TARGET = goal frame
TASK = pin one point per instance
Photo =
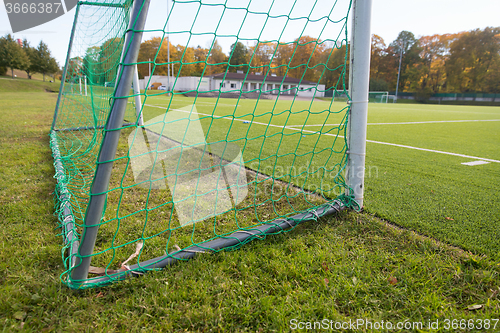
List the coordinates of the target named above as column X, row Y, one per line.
column 81, row 249
column 384, row 96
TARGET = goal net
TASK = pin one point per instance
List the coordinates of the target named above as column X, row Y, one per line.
column 194, row 126
column 373, row 96
column 378, row 96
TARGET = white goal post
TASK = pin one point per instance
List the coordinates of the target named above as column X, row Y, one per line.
column 359, row 79
column 373, row 96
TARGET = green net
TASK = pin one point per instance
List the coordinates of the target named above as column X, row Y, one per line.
column 378, row 96
column 235, row 139
column 373, row 96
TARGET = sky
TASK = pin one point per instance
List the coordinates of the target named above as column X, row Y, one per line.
column 389, row 17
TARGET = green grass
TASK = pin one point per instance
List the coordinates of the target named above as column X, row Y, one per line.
column 8, row 85
column 340, row 268
column 259, row 142
column 434, row 193
column 136, row 214
column 20, row 75
column 431, row 193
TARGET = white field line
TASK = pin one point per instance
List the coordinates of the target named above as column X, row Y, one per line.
column 408, row 122
column 213, row 104
column 435, row 122
column 441, row 110
column 337, row 135
column 433, row 151
column 220, row 117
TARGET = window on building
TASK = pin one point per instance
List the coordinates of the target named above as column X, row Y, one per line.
column 233, row 85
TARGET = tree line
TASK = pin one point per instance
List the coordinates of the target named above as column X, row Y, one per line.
column 26, row 58
column 449, row 63
column 304, row 58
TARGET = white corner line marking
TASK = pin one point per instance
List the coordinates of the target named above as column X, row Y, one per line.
column 472, row 163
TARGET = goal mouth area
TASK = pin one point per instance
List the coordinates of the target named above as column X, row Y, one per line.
column 231, row 242
column 71, row 231
column 179, row 181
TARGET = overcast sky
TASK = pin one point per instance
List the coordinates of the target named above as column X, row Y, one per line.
column 421, row 17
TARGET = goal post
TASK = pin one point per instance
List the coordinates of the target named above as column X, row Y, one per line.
column 105, row 159
column 378, row 96
column 358, row 115
column 239, row 146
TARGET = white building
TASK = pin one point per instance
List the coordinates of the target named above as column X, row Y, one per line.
column 234, row 82
column 272, row 84
column 182, row 83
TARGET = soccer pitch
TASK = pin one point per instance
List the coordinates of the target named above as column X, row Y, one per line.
column 415, row 176
column 431, row 191
column 342, row 267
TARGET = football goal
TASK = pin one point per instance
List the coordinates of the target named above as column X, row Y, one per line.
column 373, row 96
column 378, row 96
column 188, row 127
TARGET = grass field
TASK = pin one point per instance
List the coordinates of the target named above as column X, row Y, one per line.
column 353, row 266
column 22, row 75
column 432, row 192
column 415, row 178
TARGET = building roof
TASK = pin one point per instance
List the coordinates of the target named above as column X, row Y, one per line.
column 254, row 77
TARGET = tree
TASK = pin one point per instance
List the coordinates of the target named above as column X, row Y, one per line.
column 31, row 53
column 492, row 77
column 200, row 56
column 44, row 63
column 473, row 61
column 336, row 76
column 413, row 69
column 147, row 52
column 306, row 54
column 238, row 57
column 383, row 64
column 281, row 58
column 75, row 69
column 12, row 55
column 217, row 60
column 403, row 42
column 378, row 51
column 378, row 85
column 261, row 54
column 91, row 67
column 156, row 50
column 405, row 47
column 109, row 58
column 434, row 53
column 380, row 65
column 185, row 58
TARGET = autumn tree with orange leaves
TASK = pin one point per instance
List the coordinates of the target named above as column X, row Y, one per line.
column 449, row 63
column 463, row 62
